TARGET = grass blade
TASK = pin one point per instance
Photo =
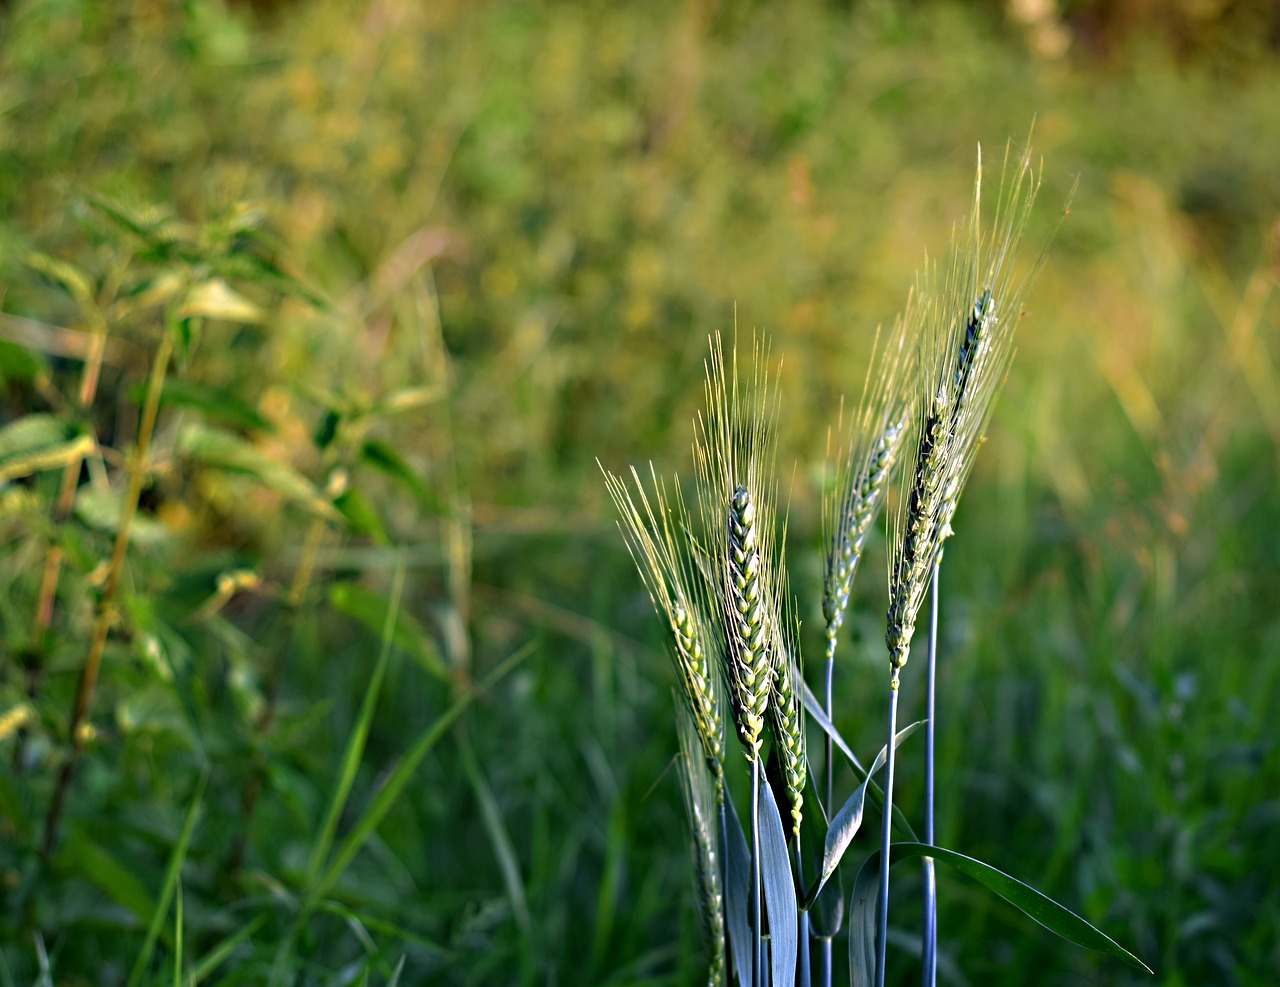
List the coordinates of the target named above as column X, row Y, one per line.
column 386, row 797
column 359, row 732
column 219, row 954
column 497, row 830
column 779, row 889
column 171, row 877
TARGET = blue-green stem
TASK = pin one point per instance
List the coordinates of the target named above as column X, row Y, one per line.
column 802, row 932
column 757, row 925
column 929, row 931
column 824, row 946
column 882, row 923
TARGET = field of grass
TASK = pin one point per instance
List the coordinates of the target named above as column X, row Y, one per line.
column 314, row 319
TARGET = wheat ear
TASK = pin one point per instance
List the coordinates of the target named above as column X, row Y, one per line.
column 871, row 447
column 966, row 344
column 702, row 792
column 734, row 452
column 787, row 714
column 657, row 534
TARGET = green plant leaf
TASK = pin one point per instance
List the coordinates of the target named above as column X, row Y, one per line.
column 848, row 820
column 368, row 607
column 815, row 710
column 508, row 862
column 17, row 363
column 215, row 402
column 737, row 890
column 40, row 442
column 779, row 889
column 84, row 857
column 359, row 731
column 382, row 457
column 223, row 450
column 220, row 953
column 1059, row 920
column 361, row 515
column 103, row 510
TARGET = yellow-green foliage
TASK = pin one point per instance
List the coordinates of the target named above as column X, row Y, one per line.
column 523, row 220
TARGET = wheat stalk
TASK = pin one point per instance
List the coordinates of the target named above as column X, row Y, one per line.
column 965, row 346
column 871, row 448
column 734, row 452
column 658, row 536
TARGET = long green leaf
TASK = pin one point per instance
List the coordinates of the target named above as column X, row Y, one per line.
column 386, row 797
column 779, row 889
column 846, row 823
column 359, row 732
column 737, row 891
column 85, row 858
column 508, row 863
column 815, row 710
column 223, row 450
column 219, row 954
column 39, row 442
column 1059, row 920
column 173, row 873
column 368, row 608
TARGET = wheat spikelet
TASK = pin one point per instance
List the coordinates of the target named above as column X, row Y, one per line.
column 734, row 451
column 658, row 537
column 787, row 716
column 700, row 797
column 966, row 342
column 870, row 453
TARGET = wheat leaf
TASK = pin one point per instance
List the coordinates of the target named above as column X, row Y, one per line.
column 846, row 822
column 737, row 892
column 779, row 889
column 1058, row 919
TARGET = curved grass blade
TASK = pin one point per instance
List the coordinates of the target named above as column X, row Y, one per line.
column 359, row 733
column 737, row 892
column 503, row 850
column 779, row 889
column 223, row 950
column 172, row 874
column 387, row 795
column 1058, row 919
column 846, row 823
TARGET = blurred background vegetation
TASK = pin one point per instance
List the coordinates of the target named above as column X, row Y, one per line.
column 422, row 264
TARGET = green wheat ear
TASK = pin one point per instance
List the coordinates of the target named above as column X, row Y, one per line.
column 871, row 442
column 657, row 533
column 787, row 718
column 735, row 453
column 967, row 320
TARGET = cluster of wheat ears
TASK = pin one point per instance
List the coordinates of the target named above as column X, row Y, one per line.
column 718, row 579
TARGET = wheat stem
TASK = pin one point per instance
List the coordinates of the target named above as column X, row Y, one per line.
column 929, row 933
column 882, row 904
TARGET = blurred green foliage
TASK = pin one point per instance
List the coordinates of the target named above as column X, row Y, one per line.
column 460, row 250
